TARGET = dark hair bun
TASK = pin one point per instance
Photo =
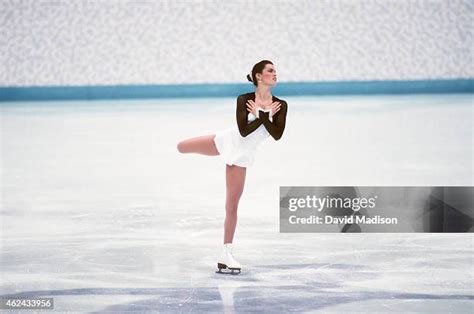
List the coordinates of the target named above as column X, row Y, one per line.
column 249, row 78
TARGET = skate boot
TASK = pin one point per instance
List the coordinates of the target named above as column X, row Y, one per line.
column 227, row 262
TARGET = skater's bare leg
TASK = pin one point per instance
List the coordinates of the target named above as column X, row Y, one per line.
column 201, row 145
column 235, row 179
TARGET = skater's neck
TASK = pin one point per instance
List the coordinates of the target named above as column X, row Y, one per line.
column 263, row 93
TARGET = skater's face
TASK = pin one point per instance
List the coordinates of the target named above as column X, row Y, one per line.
column 268, row 75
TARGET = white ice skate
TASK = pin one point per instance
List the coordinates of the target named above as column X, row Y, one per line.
column 227, row 261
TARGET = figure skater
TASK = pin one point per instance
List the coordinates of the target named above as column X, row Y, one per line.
column 259, row 114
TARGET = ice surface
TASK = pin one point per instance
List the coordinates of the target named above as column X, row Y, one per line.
column 101, row 212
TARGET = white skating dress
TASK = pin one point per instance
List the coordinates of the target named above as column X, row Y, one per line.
column 238, row 150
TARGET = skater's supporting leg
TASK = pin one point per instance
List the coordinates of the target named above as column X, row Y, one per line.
column 201, row 145
column 235, row 179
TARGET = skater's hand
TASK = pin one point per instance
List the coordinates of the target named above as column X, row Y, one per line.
column 252, row 107
column 275, row 108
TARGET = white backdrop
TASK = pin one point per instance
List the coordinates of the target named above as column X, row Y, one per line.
column 157, row 42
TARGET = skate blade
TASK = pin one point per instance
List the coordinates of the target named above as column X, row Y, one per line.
column 223, row 269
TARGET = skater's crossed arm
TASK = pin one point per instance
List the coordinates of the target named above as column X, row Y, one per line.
column 244, row 127
column 279, row 120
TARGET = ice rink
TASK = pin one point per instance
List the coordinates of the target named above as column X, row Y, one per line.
column 101, row 212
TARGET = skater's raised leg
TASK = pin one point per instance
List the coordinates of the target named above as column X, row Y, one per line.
column 200, row 145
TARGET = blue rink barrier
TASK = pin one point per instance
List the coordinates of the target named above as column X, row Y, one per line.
column 32, row 93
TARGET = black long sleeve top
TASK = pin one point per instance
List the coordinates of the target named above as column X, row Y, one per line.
column 275, row 128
